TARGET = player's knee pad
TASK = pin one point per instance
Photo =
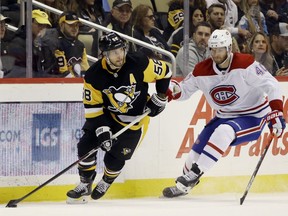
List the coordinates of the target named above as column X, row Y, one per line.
column 223, row 136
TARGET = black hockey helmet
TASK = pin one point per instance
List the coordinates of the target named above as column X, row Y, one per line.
column 111, row 41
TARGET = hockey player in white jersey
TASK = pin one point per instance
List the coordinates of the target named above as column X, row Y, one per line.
column 244, row 95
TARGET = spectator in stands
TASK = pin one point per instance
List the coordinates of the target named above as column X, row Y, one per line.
column 279, row 47
column 198, row 49
column 253, row 19
column 239, row 10
column 11, row 9
column 40, row 22
column 231, row 12
column 57, row 4
column 120, row 16
column 275, row 11
column 6, row 60
column 176, row 15
column 196, row 16
column 231, row 17
column 216, row 16
column 143, row 21
column 70, row 53
column 259, row 47
column 3, row 21
column 90, row 10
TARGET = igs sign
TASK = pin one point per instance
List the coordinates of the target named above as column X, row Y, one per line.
column 46, row 137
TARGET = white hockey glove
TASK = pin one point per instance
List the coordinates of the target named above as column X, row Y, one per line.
column 77, row 70
column 104, row 136
column 174, row 91
column 276, row 122
column 156, row 104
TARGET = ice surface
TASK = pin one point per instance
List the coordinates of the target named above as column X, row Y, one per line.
column 216, row 205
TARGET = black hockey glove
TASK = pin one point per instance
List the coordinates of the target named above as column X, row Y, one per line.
column 156, row 104
column 104, row 135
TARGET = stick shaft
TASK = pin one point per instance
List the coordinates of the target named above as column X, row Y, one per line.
column 270, row 138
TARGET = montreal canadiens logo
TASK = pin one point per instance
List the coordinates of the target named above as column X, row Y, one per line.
column 224, row 95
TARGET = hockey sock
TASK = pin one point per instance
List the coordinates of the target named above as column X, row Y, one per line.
column 192, row 158
column 113, row 167
column 109, row 175
column 87, row 167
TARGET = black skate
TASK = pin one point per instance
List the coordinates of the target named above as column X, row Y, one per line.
column 100, row 189
column 81, row 193
column 186, row 182
column 173, row 191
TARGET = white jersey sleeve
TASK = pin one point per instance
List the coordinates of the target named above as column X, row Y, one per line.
column 188, row 87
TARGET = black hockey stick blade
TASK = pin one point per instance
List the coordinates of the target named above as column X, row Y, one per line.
column 13, row 203
column 270, row 138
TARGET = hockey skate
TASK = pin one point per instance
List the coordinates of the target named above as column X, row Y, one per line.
column 81, row 193
column 100, row 189
column 186, row 182
column 173, row 191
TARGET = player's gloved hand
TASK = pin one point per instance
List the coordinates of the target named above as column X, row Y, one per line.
column 276, row 122
column 156, row 104
column 77, row 70
column 174, row 91
column 104, row 135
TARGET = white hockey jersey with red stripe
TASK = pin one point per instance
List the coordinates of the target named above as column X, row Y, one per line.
column 243, row 89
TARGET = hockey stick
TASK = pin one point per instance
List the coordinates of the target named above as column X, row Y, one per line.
column 13, row 203
column 270, row 138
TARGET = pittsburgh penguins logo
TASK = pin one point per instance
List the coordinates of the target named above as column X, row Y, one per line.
column 224, row 95
column 121, row 98
column 126, row 151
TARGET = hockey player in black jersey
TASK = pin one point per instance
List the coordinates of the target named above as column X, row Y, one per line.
column 116, row 93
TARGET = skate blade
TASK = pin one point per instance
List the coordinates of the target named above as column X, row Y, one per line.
column 182, row 187
column 81, row 200
column 171, row 192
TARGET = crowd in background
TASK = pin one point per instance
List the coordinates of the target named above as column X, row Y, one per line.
column 61, row 43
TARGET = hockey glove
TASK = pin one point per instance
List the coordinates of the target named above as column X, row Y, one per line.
column 276, row 122
column 77, row 70
column 104, row 135
column 156, row 104
column 174, row 91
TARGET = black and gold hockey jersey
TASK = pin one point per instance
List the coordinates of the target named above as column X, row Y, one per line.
column 71, row 53
column 122, row 94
